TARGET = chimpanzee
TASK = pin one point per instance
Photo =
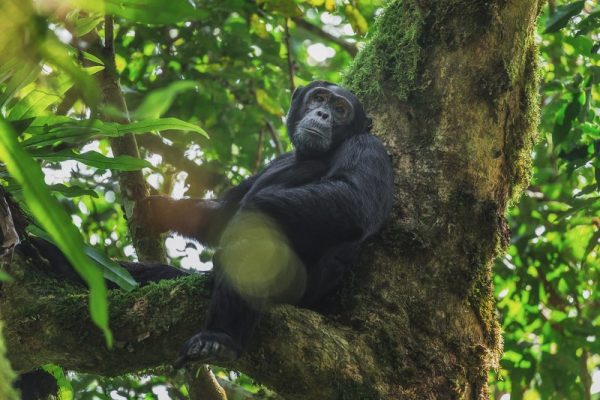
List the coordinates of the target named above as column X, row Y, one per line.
column 288, row 233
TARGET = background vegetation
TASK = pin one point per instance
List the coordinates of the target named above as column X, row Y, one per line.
column 227, row 68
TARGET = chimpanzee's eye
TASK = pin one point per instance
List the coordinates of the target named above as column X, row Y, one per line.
column 340, row 108
column 320, row 98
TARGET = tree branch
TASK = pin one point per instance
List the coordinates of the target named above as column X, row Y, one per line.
column 149, row 247
column 276, row 141
column 201, row 177
column 307, row 26
column 288, row 47
column 47, row 321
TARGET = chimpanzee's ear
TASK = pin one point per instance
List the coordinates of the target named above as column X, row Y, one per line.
column 368, row 124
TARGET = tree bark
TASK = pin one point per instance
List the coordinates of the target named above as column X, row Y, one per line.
column 452, row 86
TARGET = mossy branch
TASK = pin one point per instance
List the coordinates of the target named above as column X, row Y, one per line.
column 47, row 321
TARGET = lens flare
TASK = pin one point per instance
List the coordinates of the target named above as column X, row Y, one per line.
column 258, row 261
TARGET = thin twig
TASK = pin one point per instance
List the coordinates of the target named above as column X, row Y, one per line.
column 273, row 133
column 201, row 177
column 259, row 151
column 307, row 26
column 290, row 62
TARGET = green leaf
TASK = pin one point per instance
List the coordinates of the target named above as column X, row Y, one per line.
column 8, row 68
column 86, row 24
column 287, row 8
column 59, row 55
column 39, row 99
column 268, row 104
column 159, row 124
column 563, row 127
column 56, row 222
column 65, row 390
column 594, row 243
column 47, row 131
column 563, row 14
column 357, row 20
column 112, row 271
column 589, row 23
column 4, row 277
column 95, row 159
column 154, row 12
column 158, row 101
column 19, row 79
column 72, row 191
column 92, row 58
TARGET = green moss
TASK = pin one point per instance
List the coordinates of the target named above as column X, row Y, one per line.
column 389, row 62
column 525, row 131
column 7, row 375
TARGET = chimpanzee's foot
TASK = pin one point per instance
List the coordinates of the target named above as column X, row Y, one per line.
column 208, row 347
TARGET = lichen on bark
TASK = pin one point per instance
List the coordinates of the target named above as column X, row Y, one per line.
column 7, row 376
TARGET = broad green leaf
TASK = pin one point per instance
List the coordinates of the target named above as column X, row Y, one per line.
column 20, row 78
column 39, row 99
column 357, row 20
column 72, row 191
column 92, row 58
column 287, row 8
column 268, row 104
column 112, row 271
column 4, row 277
column 59, row 55
column 94, row 159
column 158, row 101
column 154, row 12
column 8, row 68
column 564, row 124
column 47, row 131
column 65, row 390
column 33, row 104
column 56, row 222
column 159, row 124
column 84, row 24
column 562, row 15
column 589, row 23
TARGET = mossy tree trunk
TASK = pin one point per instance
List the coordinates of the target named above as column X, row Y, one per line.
column 452, row 87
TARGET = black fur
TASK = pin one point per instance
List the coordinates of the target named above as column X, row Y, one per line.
column 289, row 233
column 318, row 207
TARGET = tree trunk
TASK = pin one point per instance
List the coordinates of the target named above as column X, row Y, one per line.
column 452, row 86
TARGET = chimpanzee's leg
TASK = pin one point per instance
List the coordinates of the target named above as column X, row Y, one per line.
column 230, row 322
column 142, row 273
column 254, row 266
column 326, row 275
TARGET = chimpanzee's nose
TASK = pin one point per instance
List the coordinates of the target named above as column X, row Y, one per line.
column 322, row 114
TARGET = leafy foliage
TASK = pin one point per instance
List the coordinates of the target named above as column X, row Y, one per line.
column 547, row 283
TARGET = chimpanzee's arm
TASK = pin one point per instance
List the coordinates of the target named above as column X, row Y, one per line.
column 200, row 219
column 351, row 202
